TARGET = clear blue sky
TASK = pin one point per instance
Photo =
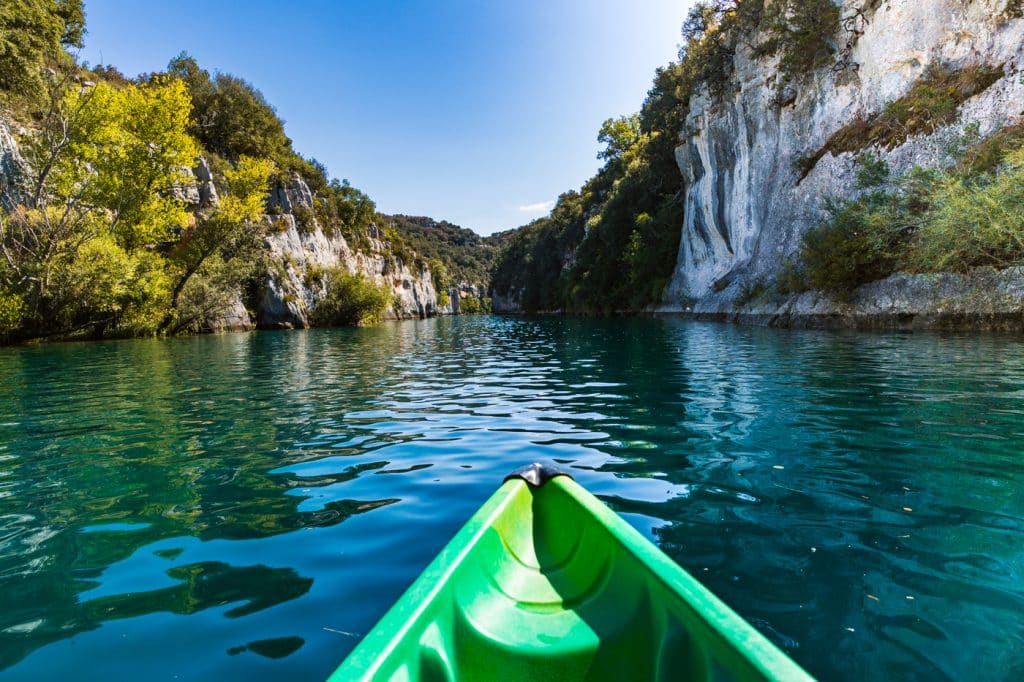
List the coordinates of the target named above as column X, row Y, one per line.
column 480, row 112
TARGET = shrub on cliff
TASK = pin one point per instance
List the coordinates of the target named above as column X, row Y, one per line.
column 801, row 33
column 967, row 216
column 974, row 221
column 858, row 243
column 351, row 300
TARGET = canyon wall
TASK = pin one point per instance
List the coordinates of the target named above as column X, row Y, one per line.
column 748, row 201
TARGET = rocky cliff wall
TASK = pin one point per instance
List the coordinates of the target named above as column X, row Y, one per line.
column 747, row 207
column 300, row 251
column 10, row 167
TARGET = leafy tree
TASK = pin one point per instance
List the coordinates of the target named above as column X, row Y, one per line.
column 105, row 166
column 618, row 135
column 231, row 117
column 230, row 228
column 72, row 14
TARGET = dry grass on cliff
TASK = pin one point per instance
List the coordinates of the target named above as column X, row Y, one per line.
column 932, row 102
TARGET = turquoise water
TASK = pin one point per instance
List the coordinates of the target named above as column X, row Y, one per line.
column 245, row 506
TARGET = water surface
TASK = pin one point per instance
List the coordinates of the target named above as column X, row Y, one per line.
column 247, row 506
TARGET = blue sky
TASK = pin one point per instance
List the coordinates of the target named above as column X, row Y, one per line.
column 480, row 113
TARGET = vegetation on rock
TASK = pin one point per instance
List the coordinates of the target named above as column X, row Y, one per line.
column 351, row 299
column 954, row 219
column 933, row 101
column 613, row 244
column 108, row 232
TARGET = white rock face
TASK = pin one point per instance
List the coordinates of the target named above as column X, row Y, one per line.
column 299, row 252
column 11, row 168
column 745, row 211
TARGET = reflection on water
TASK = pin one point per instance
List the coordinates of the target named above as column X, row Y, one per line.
column 248, row 505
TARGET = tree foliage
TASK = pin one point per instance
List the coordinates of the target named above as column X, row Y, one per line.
column 219, row 235
column 80, row 252
column 351, row 299
column 229, row 116
column 32, row 31
column 618, row 135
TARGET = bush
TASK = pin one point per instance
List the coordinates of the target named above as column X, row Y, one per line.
column 974, row 222
column 859, row 243
column 351, row 300
column 791, row 279
column 12, row 311
column 872, row 171
column 968, row 216
column 751, row 292
column 475, row 306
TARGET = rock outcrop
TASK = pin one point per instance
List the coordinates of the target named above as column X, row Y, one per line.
column 747, row 205
column 301, row 251
column 983, row 299
column 11, row 168
column 299, row 248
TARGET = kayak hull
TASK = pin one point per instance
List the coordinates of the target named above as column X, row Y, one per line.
column 546, row 582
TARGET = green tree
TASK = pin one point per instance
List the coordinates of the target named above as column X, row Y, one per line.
column 618, row 135
column 72, row 14
column 105, row 167
column 228, row 230
column 229, row 116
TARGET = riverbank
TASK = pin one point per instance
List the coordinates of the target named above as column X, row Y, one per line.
column 983, row 299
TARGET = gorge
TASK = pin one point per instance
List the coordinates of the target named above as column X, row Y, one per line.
column 762, row 149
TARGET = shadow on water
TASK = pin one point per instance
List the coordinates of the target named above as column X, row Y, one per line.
column 184, row 448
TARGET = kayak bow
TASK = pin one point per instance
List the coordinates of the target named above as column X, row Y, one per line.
column 547, row 583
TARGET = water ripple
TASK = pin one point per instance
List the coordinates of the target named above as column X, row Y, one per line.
column 249, row 497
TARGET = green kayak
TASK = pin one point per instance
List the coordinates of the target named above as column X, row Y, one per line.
column 547, row 583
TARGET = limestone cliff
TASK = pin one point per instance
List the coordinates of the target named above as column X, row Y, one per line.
column 747, row 205
column 300, row 249
column 298, row 246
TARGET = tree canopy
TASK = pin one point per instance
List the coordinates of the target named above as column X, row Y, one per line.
column 32, row 31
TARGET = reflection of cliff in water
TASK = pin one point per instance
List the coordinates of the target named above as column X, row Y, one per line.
column 185, row 450
column 199, row 587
